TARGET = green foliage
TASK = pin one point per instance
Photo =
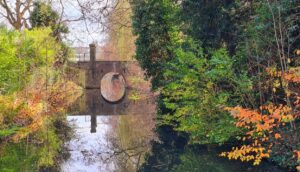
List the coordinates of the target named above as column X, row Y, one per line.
column 9, row 131
column 17, row 157
column 43, row 15
column 25, row 57
column 38, row 151
column 154, row 22
column 195, row 91
column 259, row 32
column 196, row 78
column 21, row 52
column 10, row 66
column 207, row 55
column 51, row 145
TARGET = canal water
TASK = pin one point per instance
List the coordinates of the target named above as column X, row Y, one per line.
column 109, row 137
column 121, row 138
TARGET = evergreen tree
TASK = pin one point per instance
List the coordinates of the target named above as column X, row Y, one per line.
column 44, row 16
column 210, row 22
column 154, row 23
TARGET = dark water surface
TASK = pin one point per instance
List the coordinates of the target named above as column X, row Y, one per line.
column 172, row 154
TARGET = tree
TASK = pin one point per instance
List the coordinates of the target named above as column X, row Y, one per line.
column 209, row 22
column 195, row 89
column 267, row 48
column 154, row 23
column 44, row 16
column 16, row 12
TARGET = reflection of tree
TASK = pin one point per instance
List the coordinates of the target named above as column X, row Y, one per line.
column 165, row 153
column 130, row 140
column 128, row 159
column 172, row 154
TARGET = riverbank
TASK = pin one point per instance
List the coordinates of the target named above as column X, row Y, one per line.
column 34, row 137
column 34, row 93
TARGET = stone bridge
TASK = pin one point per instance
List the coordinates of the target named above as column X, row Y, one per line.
column 95, row 70
column 92, row 101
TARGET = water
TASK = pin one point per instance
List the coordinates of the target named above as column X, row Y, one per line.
column 89, row 151
column 171, row 154
column 120, row 138
column 109, row 137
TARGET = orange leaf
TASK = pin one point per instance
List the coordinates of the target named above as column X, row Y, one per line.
column 277, row 136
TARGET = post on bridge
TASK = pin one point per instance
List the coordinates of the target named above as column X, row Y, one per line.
column 92, row 59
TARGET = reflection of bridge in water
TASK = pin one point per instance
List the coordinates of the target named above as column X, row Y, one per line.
column 92, row 103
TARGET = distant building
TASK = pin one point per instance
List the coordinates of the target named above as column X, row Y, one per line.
column 82, row 53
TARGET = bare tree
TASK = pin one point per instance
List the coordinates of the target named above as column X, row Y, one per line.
column 87, row 20
column 92, row 17
column 16, row 12
column 94, row 11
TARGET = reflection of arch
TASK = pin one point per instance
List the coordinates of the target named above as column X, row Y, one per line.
column 94, row 105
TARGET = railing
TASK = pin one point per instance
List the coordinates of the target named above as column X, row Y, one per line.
column 83, row 54
column 83, row 57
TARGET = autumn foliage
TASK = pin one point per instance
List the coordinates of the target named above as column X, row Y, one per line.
column 31, row 107
column 264, row 126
